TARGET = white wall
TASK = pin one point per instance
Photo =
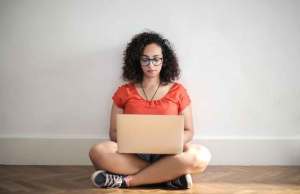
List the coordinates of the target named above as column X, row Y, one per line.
column 60, row 62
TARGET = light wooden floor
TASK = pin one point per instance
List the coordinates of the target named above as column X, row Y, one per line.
column 216, row 179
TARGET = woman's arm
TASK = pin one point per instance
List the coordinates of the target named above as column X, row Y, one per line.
column 188, row 124
column 113, row 115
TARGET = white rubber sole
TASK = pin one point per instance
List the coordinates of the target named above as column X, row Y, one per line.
column 93, row 176
column 189, row 180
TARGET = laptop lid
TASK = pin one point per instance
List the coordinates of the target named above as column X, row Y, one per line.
column 155, row 134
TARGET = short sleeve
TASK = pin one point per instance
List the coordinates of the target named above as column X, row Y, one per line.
column 184, row 99
column 120, row 96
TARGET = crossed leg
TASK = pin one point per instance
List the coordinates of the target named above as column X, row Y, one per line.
column 194, row 159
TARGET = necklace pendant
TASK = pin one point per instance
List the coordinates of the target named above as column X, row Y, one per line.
column 153, row 94
column 149, row 104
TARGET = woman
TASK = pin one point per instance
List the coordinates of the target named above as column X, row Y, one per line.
column 151, row 68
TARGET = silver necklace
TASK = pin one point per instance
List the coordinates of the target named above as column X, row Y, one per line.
column 146, row 94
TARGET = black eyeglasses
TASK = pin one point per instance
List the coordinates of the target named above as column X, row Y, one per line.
column 155, row 61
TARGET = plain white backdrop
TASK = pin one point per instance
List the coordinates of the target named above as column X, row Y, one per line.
column 60, row 62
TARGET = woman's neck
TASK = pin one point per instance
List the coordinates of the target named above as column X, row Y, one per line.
column 150, row 82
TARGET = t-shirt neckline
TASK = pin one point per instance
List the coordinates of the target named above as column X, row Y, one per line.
column 163, row 97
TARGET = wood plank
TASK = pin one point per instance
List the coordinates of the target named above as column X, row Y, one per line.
column 16, row 179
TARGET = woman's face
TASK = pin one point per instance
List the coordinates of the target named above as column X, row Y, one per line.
column 151, row 60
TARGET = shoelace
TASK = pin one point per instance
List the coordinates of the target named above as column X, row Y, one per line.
column 175, row 183
column 112, row 180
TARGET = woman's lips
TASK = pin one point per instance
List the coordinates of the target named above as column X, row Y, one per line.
column 151, row 71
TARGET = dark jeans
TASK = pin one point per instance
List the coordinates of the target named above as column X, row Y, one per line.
column 151, row 158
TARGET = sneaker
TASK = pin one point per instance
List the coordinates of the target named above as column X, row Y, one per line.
column 182, row 182
column 103, row 179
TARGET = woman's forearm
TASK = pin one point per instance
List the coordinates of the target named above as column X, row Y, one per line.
column 188, row 136
column 113, row 135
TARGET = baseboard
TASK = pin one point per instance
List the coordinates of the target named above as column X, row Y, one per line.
column 225, row 150
column 253, row 150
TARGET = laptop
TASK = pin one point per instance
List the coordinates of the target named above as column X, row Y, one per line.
column 150, row 134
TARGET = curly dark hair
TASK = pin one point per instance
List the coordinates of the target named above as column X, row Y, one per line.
column 132, row 70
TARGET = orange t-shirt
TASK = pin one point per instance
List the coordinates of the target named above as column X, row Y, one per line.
column 173, row 103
